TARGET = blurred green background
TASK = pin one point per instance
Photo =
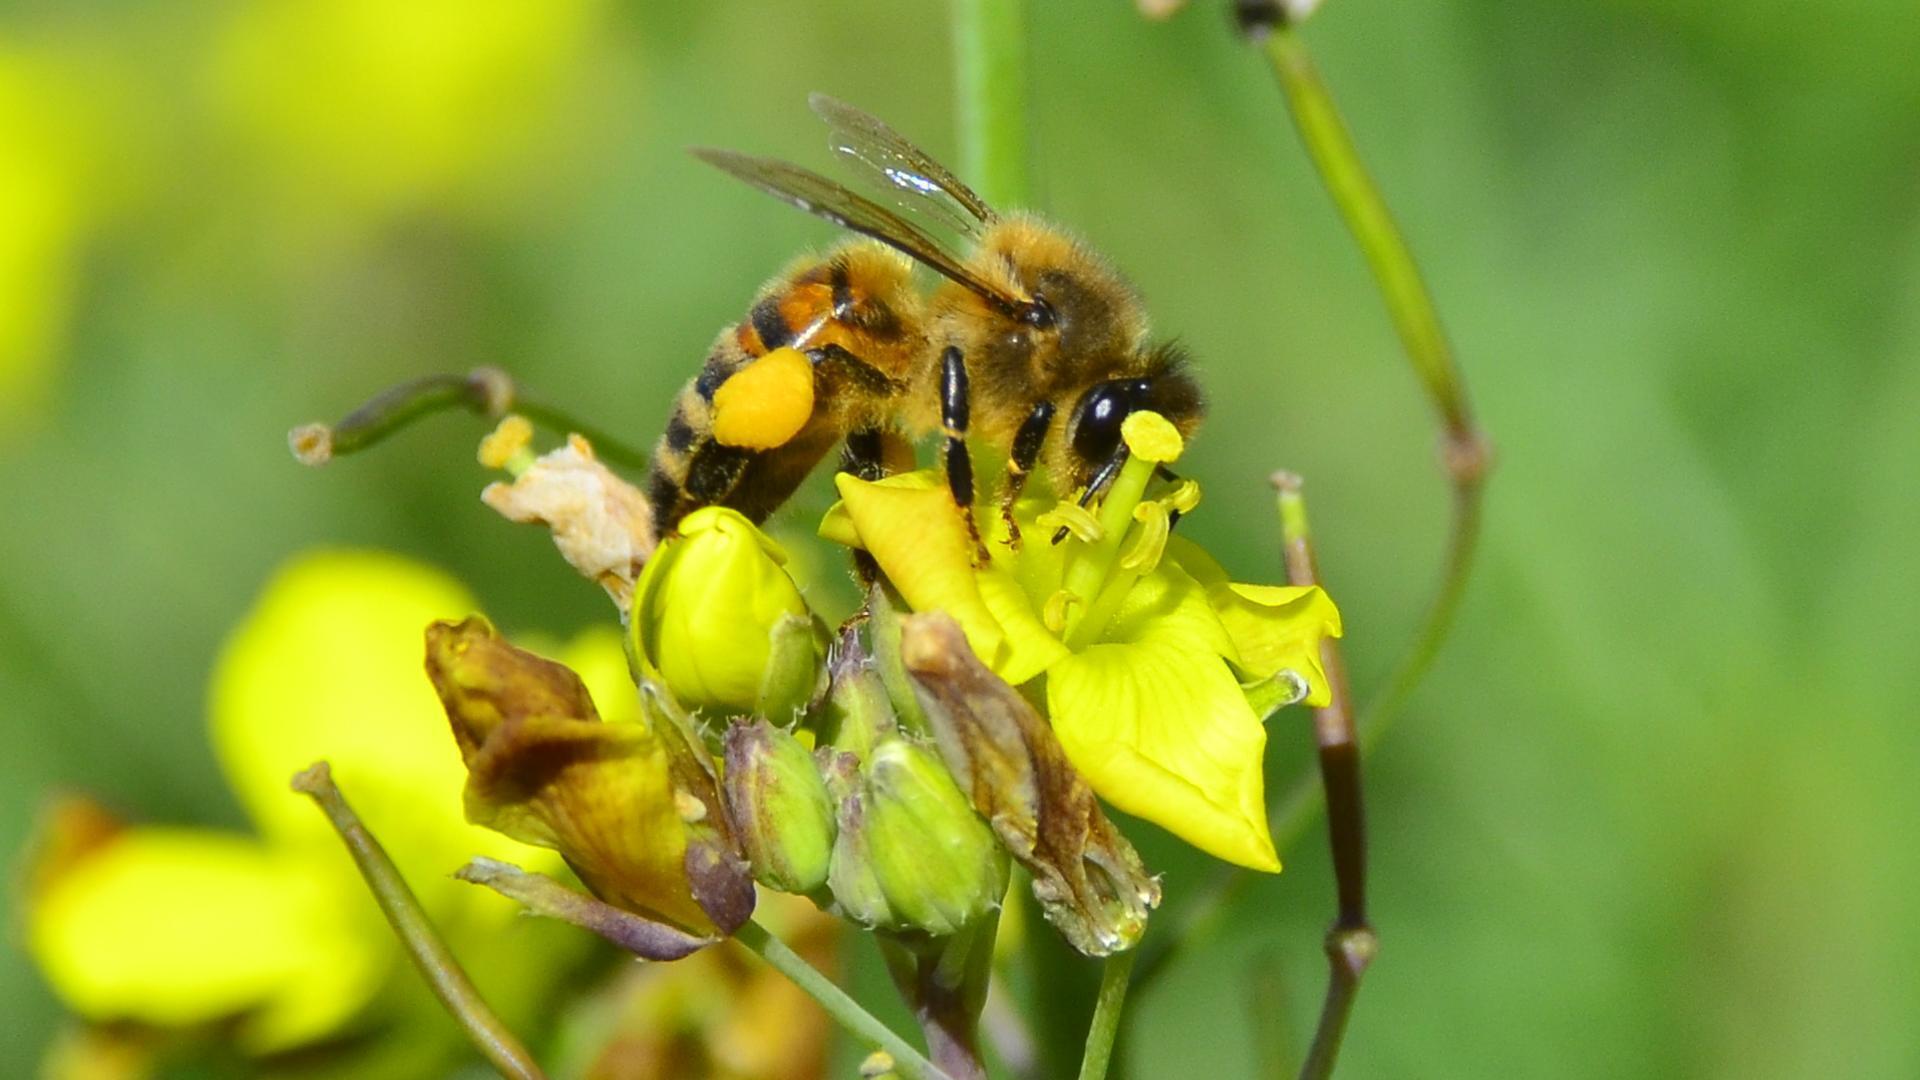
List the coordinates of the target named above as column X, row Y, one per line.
column 1652, row 813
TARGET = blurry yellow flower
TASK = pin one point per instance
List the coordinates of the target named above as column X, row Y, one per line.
column 1143, row 642
column 381, row 105
column 176, row 927
column 172, row 926
column 716, row 615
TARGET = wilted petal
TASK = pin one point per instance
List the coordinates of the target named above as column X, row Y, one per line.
column 1088, row 879
column 543, row 769
column 602, row 525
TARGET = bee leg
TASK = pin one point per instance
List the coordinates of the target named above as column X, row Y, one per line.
column 713, row 472
column 1026, row 450
column 954, row 414
column 838, row 363
column 864, row 456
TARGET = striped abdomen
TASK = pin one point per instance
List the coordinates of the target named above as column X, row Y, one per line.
column 854, row 314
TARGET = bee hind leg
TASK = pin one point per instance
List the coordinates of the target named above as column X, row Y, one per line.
column 954, row 415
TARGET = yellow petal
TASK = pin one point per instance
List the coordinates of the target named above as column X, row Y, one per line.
column 1276, row 627
column 1271, row 626
column 175, row 927
column 1164, row 733
column 328, row 665
column 913, row 531
column 1027, row 647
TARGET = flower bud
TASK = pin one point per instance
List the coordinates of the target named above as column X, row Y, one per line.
column 936, row 862
column 707, row 609
column 781, row 811
column 857, row 894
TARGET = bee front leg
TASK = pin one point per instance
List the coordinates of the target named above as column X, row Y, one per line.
column 1026, row 450
column 954, row 415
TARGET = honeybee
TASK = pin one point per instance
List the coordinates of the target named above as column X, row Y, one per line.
column 1028, row 331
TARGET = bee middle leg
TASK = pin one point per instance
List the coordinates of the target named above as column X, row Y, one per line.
column 1026, row 450
column 954, row 416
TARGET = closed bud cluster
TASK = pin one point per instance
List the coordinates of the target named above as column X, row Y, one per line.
column 911, row 854
column 937, row 863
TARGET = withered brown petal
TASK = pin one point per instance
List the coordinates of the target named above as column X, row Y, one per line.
column 1087, row 877
column 716, row 865
column 483, row 681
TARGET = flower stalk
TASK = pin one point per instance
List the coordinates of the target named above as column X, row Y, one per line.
column 907, row 1061
column 1466, row 453
column 430, row 954
column 484, row 391
column 1105, row 1027
column 990, row 64
column 1351, row 942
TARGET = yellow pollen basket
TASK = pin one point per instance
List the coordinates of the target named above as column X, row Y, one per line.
column 765, row 403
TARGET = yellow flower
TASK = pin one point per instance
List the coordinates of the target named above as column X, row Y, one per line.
column 185, row 926
column 1149, row 653
column 717, row 616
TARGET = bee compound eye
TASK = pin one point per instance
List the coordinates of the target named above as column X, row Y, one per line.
column 1097, row 420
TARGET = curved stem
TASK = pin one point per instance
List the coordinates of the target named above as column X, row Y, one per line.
column 1106, row 1015
column 1466, row 453
column 430, row 954
column 839, row 1005
column 990, row 64
column 484, row 391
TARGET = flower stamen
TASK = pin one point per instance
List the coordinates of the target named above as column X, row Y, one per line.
column 509, row 445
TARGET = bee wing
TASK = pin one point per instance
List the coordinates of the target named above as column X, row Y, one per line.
column 901, row 168
column 825, row 198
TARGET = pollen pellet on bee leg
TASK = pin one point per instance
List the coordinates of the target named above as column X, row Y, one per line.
column 766, row 403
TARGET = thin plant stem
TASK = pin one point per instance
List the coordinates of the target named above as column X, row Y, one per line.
column 1351, row 943
column 1466, row 453
column 990, row 65
column 857, row 1020
column 485, row 391
column 1106, row 1015
column 430, row 954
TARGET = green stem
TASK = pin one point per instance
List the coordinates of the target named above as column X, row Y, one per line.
column 1106, row 1015
column 485, row 391
column 990, row 61
column 1466, row 453
column 839, row 1005
column 430, row 954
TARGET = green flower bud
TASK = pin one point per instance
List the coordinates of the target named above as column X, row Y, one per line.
column 706, row 611
column 857, row 711
column 856, row 890
column 781, row 811
column 937, row 863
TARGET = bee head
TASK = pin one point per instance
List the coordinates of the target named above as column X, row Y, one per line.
column 1167, row 388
